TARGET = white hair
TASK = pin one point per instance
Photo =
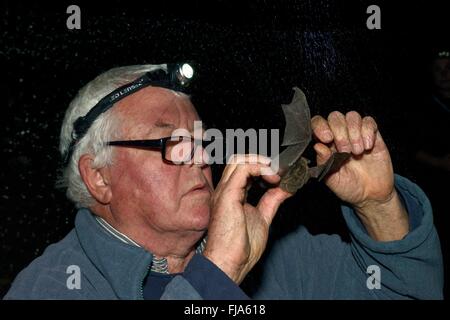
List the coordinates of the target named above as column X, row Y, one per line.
column 104, row 128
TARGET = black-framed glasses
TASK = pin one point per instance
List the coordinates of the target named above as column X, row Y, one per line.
column 174, row 149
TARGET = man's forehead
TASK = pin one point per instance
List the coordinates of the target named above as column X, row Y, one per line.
column 150, row 98
column 156, row 109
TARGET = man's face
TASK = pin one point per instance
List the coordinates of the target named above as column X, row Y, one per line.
column 167, row 197
column 441, row 73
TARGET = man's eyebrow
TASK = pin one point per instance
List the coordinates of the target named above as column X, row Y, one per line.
column 164, row 125
column 159, row 125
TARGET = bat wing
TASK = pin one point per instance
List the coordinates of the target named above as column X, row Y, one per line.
column 297, row 133
column 332, row 164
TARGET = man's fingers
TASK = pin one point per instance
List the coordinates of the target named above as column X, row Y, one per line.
column 270, row 201
column 349, row 133
column 240, row 176
column 321, row 129
column 323, row 153
column 354, row 124
column 238, row 159
column 236, row 186
column 368, row 132
column 338, row 125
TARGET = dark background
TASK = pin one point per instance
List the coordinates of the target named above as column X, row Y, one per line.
column 248, row 57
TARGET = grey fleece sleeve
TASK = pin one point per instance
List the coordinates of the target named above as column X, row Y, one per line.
column 303, row 266
column 203, row 279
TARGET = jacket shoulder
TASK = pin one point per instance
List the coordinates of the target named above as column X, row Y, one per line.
column 57, row 274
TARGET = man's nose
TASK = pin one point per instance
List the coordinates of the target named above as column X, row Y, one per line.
column 200, row 157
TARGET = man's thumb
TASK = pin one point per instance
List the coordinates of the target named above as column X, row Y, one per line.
column 270, row 201
column 323, row 153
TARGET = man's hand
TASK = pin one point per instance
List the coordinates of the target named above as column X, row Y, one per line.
column 238, row 231
column 366, row 181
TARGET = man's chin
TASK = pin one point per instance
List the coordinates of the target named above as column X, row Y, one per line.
column 199, row 218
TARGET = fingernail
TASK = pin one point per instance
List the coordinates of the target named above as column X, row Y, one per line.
column 358, row 148
column 267, row 171
column 367, row 142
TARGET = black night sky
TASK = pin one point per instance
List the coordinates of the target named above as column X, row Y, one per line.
column 248, row 57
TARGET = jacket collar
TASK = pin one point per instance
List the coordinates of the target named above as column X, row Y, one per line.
column 123, row 265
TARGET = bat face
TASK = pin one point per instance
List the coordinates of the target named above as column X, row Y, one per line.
column 296, row 177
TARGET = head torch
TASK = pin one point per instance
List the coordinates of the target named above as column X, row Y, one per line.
column 177, row 77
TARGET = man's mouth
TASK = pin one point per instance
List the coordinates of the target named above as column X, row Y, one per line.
column 199, row 188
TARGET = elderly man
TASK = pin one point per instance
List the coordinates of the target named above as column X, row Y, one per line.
column 140, row 230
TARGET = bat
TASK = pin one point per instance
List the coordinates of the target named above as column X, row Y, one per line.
column 293, row 168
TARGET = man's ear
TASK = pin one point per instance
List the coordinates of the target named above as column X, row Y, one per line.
column 96, row 180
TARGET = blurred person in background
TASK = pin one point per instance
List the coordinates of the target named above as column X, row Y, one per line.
column 431, row 150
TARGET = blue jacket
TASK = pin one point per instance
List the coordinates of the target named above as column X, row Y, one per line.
column 297, row 266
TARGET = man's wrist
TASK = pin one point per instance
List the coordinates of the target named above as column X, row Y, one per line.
column 385, row 220
column 232, row 272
